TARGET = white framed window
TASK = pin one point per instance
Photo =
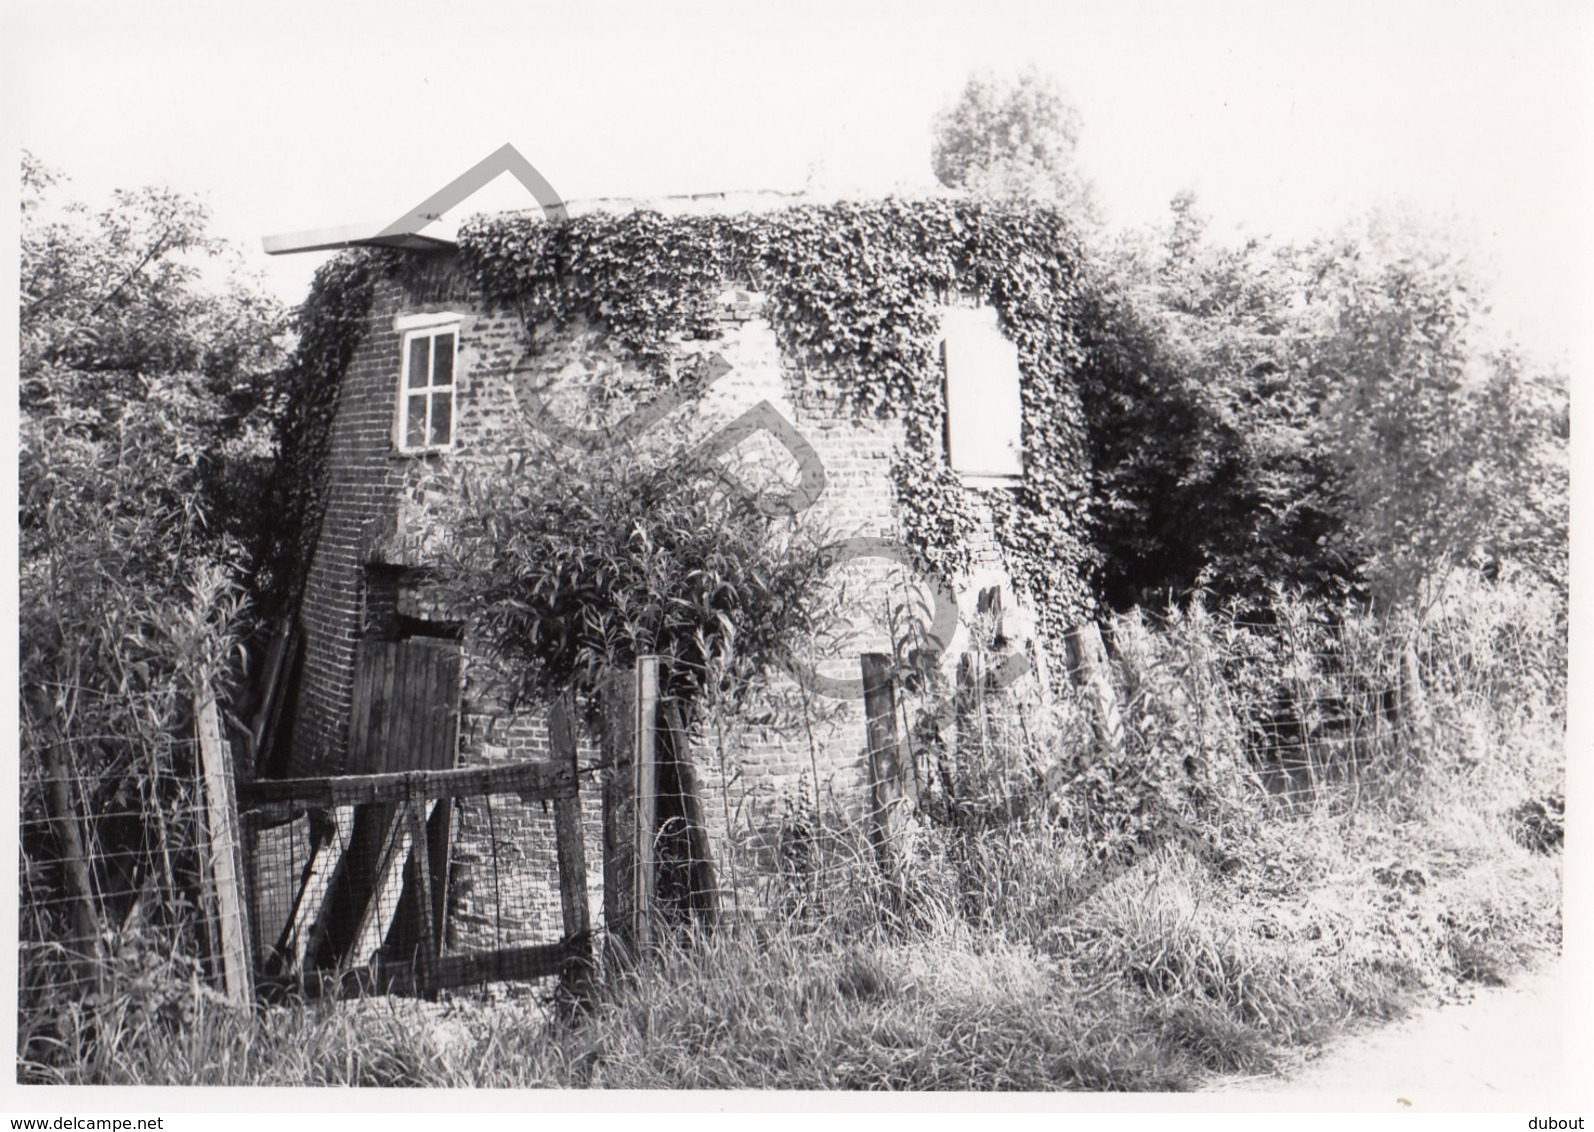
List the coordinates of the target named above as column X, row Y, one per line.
column 984, row 405
column 425, row 419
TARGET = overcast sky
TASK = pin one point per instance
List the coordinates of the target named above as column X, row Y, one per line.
column 1285, row 117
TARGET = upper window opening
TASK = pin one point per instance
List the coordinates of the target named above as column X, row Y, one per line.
column 984, row 406
column 426, row 389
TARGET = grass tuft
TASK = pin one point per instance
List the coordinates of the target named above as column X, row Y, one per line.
column 1180, row 929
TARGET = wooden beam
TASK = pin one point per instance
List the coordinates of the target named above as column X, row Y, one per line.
column 570, row 847
column 568, row 841
column 226, row 874
column 536, row 781
column 885, row 771
column 272, row 674
column 1092, row 675
column 704, row 895
column 440, row 838
column 421, row 871
column 619, row 819
column 645, row 732
column 374, row 920
column 534, row 962
column 310, row 912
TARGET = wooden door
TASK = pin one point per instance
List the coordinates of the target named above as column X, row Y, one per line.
column 406, row 705
column 405, row 717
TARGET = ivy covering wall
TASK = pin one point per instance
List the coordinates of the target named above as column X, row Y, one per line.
column 330, row 324
column 854, row 293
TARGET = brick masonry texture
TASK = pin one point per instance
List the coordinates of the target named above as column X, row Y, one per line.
column 504, row 873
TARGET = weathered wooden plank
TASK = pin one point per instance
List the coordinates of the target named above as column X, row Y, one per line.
column 421, row 871
column 390, row 753
column 885, row 786
column 441, row 692
column 646, row 733
column 452, row 665
column 374, row 922
column 383, row 672
column 270, row 750
column 272, row 672
column 704, row 893
column 359, row 708
column 441, row 842
column 416, row 743
column 619, row 815
column 399, row 845
column 378, row 705
column 533, row 962
column 408, row 750
column 539, row 780
column 311, row 914
column 1092, row 674
column 226, row 874
column 360, row 705
column 568, row 846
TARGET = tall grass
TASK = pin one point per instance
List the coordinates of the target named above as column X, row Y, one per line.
column 1275, row 855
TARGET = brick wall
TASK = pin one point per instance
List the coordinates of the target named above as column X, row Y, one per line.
column 362, row 484
column 373, row 516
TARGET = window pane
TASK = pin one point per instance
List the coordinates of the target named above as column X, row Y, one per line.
column 415, row 424
column 443, row 360
column 442, row 418
column 418, row 370
column 984, row 402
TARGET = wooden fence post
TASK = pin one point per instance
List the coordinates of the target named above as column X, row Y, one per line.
column 571, row 851
column 646, row 732
column 630, row 726
column 223, row 864
column 885, row 772
column 1413, row 697
column 703, row 879
column 421, row 871
column 619, row 814
column 1089, row 668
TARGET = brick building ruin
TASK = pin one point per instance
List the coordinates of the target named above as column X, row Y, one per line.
column 438, row 372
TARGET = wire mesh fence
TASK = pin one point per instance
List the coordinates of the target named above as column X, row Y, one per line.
column 690, row 811
column 1214, row 717
column 418, row 882
column 116, row 904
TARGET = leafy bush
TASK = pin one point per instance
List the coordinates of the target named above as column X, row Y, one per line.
column 1336, row 417
column 571, row 564
column 143, row 435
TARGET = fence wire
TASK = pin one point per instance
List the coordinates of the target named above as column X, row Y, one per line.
column 440, row 893
column 114, row 895
column 758, row 806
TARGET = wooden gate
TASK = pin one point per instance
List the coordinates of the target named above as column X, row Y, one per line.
column 336, row 936
column 369, row 902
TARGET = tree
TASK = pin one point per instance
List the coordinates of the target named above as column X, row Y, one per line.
column 1200, row 421
column 1449, row 448
column 144, row 414
column 1013, row 140
column 1332, row 417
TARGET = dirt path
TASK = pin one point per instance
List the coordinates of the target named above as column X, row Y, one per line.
column 1503, row 1049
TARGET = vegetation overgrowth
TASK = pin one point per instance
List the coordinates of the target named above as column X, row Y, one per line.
column 1185, row 911
column 1300, row 475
